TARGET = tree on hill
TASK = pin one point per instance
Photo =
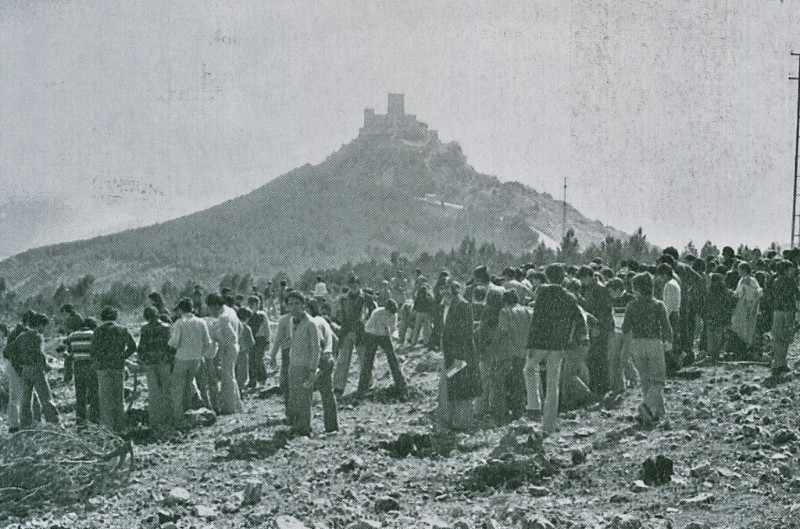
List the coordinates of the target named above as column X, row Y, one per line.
column 569, row 249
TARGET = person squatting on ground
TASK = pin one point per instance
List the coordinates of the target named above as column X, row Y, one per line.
column 156, row 359
column 112, row 344
column 378, row 333
column 28, row 361
column 78, row 366
column 649, row 334
column 191, row 340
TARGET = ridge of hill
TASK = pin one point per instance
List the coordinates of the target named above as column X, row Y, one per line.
column 394, row 187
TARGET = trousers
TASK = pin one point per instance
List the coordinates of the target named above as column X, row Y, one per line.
column 782, row 334
column 182, row 387
column 300, row 397
column 159, row 397
column 111, row 395
column 371, row 344
column 650, row 362
column 342, row 369
column 33, row 379
column 553, row 360
column 87, row 400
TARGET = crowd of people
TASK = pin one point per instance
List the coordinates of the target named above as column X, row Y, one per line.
column 525, row 343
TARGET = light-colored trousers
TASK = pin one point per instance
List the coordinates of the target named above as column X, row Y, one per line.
column 648, row 355
column 229, row 401
column 183, row 389
column 553, row 360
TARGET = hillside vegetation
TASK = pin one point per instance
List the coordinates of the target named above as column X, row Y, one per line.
column 371, row 197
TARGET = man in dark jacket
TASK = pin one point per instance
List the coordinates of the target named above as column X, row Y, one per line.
column 597, row 302
column 112, row 344
column 26, row 356
column 353, row 311
column 460, row 380
column 783, row 296
column 557, row 326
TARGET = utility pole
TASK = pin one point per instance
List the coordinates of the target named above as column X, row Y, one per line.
column 564, row 208
column 793, row 241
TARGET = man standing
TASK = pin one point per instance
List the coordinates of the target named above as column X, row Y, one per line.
column 557, row 325
column 192, row 343
column 507, row 385
column 597, row 302
column 73, row 321
column 155, row 357
column 304, row 355
column 351, row 318
column 460, row 380
column 112, row 344
column 259, row 324
column 282, row 343
column 78, row 366
column 324, row 381
column 783, row 299
column 225, row 332
column 672, row 301
column 28, row 360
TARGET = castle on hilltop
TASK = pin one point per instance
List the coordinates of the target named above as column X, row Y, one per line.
column 395, row 123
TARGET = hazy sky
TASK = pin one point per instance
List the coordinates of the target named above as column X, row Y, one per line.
column 675, row 116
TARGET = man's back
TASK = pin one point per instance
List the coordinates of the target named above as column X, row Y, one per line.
column 555, row 314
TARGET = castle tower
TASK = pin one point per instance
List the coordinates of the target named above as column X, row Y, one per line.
column 396, row 106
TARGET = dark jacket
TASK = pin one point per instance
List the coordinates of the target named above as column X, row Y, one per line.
column 111, row 345
column 556, row 319
column 597, row 302
column 25, row 350
column 458, row 344
column 154, row 344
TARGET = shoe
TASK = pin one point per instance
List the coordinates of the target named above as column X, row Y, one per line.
column 13, row 430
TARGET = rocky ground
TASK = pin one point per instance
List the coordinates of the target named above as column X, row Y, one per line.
column 732, row 444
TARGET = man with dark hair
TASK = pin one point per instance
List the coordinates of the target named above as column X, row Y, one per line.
column 78, row 365
column 192, row 343
column 156, row 358
column 507, row 384
column 73, row 321
column 197, row 300
column 460, row 380
column 26, row 356
column 597, row 302
column 424, row 308
column 304, row 354
column 282, row 343
column 353, row 308
column 111, row 345
column 557, row 326
column 671, row 297
column 259, row 325
column 378, row 333
column 225, row 332
column 783, row 296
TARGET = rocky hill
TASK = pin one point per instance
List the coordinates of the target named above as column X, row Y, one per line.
column 394, row 187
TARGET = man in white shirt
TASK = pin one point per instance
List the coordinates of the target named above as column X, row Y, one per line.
column 671, row 297
column 191, row 339
column 225, row 332
column 378, row 333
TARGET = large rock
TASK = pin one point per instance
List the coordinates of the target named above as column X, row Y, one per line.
column 178, row 496
column 199, row 417
column 252, row 492
column 386, row 504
